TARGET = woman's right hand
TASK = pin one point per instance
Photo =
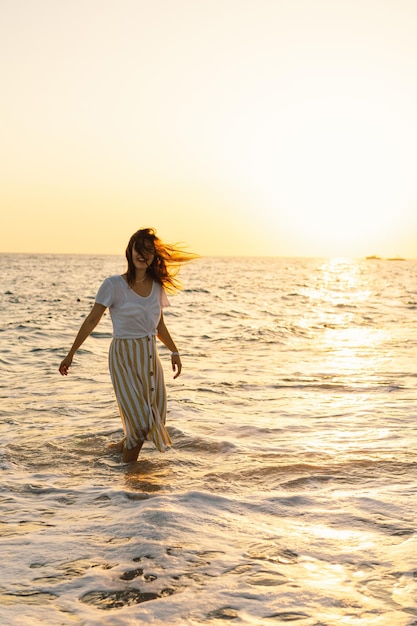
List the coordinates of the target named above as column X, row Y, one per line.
column 65, row 365
column 86, row 329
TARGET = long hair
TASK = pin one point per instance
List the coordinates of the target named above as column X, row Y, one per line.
column 166, row 263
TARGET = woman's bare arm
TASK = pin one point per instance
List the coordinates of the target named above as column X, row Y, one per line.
column 86, row 329
column 165, row 337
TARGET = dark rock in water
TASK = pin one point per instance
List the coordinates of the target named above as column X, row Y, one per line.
column 288, row 616
column 167, row 592
column 134, row 573
column 117, row 599
column 224, row 613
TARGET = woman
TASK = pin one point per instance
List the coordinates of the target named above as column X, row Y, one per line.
column 135, row 300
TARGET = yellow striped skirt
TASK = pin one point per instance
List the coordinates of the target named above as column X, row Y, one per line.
column 138, row 382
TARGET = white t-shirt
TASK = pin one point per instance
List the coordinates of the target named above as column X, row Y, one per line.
column 132, row 316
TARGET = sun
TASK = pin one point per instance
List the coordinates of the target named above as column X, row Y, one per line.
column 337, row 174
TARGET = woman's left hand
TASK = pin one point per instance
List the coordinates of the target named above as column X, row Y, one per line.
column 176, row 364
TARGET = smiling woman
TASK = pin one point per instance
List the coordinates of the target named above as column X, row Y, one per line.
column 136, row 300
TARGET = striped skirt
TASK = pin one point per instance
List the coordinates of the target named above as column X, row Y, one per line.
column 138, row 382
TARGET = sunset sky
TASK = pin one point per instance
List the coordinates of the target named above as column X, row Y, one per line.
column 239, row 127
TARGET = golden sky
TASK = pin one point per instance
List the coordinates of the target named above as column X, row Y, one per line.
column 249, row 127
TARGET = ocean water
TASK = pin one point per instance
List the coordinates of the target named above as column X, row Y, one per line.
column 289, row 495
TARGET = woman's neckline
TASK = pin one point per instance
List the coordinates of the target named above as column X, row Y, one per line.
column 135, row 292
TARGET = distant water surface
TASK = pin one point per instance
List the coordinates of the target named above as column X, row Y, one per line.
column 289, row 495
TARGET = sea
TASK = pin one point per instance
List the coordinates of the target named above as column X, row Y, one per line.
column 289, row 495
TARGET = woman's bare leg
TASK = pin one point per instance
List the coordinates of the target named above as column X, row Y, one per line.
column 130, row 456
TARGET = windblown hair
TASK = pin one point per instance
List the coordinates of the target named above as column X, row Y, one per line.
column 166, row 263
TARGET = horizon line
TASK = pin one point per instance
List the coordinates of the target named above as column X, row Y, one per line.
column 372, row 257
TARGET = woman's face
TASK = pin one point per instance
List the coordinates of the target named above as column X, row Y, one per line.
column 144, row 256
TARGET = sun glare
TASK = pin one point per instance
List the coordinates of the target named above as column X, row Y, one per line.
column 337, row 174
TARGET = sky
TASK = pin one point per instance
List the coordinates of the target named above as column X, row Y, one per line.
column 233, row 127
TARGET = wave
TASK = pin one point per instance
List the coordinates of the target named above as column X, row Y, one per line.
column 350, row 387
column 209, row 445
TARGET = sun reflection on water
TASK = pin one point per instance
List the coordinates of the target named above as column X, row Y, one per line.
column 341, row 281
column 350, row 340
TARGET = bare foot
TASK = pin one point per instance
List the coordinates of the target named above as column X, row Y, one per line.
column 118, row 446
column 130, row 456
